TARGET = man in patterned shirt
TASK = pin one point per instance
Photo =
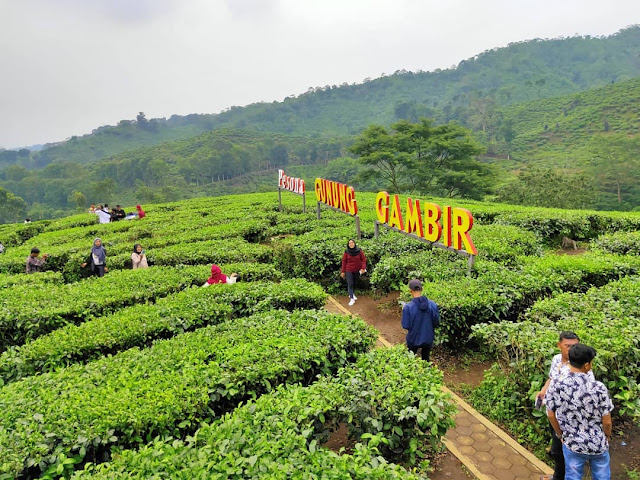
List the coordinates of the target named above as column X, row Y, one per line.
column 559, row 368
column 579, row 409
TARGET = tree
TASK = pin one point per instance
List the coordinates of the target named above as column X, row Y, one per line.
column 77, row 199
column 422, row 157
column 12, row 207
column 380, row 150
column 616, row 162
column 549, row 187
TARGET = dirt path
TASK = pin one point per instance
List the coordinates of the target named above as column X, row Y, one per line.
column 385, row 315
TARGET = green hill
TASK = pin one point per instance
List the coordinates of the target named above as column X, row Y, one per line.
column 562, row 127
column 466, row 93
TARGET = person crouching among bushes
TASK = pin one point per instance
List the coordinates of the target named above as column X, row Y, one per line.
column 218, row 277
column 97, row 259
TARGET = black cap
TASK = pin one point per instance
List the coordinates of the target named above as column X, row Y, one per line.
column 415, row 284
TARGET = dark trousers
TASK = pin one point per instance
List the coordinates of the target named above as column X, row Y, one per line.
column 426, row 350
column 98, row 270
column 557, row 455
column 351, row 282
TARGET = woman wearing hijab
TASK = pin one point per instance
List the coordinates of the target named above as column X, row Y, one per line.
column 97, row 258
column 141, row 213
column 354, row 263
column 138, row 258
column 218, row 277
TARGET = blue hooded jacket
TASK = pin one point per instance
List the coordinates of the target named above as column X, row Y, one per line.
column 420, row 317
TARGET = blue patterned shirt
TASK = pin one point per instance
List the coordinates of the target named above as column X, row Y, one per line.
column 579, row 403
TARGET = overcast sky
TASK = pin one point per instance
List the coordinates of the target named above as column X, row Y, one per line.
column 69, row 66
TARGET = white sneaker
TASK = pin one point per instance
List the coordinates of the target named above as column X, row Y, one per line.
column 352, row 301
column 355, row 298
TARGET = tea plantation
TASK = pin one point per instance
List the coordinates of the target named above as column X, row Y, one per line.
column 142, row 374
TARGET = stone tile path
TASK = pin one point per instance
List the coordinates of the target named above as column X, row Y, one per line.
column 484, row 449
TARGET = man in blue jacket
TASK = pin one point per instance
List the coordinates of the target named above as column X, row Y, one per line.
column 420, row 317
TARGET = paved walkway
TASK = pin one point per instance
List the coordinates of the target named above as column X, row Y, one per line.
column 483, row 448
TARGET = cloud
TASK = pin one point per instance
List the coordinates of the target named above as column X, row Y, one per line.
column 252, row 9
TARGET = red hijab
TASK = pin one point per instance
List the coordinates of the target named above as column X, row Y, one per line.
column 141, row 213
column 216, row 275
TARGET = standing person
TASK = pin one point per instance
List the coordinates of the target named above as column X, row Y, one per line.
column 92, row 208
column 559, row 369
column 218, row 277
column 579, row 409
column 141, row 213
column 1, row 248
column 420, row 317
column 138, row 258
column 103, row 215
column 35, row 264
column 354, row 263
column 97, row 258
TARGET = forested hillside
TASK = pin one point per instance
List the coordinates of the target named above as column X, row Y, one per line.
column 468, row 93
column 171, row 171
column 569, row 106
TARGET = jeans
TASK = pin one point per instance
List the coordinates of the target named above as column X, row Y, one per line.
column 351, row 282
column 574, row 465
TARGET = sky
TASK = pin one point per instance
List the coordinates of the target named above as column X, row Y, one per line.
column 70, row 66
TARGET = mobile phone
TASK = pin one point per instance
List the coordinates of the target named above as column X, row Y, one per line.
column 538, row 403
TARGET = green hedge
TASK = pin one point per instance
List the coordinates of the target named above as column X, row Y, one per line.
column 500, row 294
column 84, row 411
column 391, row 401
column 30, row 312
column 619, row 242
column 138, row 325
column 39, row 278
column 606, row 318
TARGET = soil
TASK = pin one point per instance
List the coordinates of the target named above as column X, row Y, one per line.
column 384, row 314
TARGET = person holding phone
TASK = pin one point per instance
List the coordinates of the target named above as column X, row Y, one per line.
column 138, row 258
column 35, row 264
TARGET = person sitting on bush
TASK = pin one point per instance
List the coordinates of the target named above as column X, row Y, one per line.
column 218, row 277
column 35, row 264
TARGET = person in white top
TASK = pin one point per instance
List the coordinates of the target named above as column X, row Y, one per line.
column 105, row 217
column 560, row 368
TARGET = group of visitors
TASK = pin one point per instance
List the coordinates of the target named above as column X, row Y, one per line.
column 578, row 406
column 579, row 411
column 115, row 214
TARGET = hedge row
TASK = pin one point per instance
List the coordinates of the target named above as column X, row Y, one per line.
column 391, row 401
column 82, row 412
column 606, row 318
column 30, row 312
column 138, row 325
column 499, row 294
column 619, row 242
column 496, row 243
column 40, row 278
column 67, row 258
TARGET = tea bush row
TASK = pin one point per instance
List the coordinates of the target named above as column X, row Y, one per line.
column 391, row 401
column 606, row 318
column 127, row 399
column 499, row 294
column 29, row 312
column 139, row 325
column 619, row 242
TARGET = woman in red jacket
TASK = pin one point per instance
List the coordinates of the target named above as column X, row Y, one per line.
column 353, row 263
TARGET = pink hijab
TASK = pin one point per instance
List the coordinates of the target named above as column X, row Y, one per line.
column 216, row 275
